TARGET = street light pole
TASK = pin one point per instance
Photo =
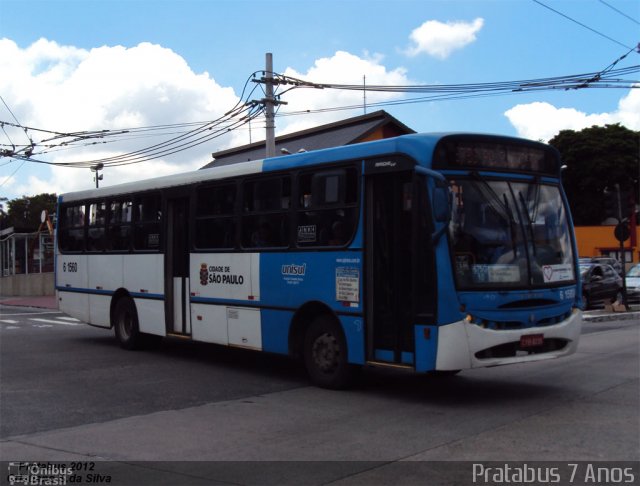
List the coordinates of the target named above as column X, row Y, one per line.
column 96, row 168
column 622, row 253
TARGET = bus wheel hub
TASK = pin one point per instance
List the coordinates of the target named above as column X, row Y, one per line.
column 325, row 352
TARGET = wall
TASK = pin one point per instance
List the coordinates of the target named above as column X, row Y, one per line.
column 599, row 240
column 36, row 284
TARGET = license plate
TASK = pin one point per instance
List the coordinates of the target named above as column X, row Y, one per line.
column 531, row 340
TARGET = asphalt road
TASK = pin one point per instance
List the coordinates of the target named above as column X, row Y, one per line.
column 70, row 393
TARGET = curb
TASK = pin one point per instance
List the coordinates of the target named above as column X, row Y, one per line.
column 48, row 302
column 621, row 316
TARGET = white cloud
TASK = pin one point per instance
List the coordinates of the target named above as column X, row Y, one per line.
column 66, row 89
column 341, row 68
column 543, row 121
column 440, row 39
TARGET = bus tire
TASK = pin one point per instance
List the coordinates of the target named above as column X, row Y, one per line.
column 126, row 324
column 325, row 355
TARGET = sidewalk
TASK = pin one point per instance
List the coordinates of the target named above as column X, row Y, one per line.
column 603, row 315
column 44, row 302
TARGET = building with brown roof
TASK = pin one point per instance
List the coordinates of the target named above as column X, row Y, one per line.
column 364, row 128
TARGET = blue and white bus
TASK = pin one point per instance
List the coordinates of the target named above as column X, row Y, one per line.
column 433, row 252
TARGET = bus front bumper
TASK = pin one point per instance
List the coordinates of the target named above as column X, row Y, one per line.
column 464, row 345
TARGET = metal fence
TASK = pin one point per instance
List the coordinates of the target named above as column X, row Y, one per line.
column 26, row 253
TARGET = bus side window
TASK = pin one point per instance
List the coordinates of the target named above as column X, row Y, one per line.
column 96, row 230
column 147, row 221
column 119, row 225
column 327, row 208
column 71, row 234
column 215, row 222
column 265, row 220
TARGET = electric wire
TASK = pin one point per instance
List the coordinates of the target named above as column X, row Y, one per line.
column 620, row 12
column 240, row 114
column 13, row 173
column 581, row 24
column 183, row 136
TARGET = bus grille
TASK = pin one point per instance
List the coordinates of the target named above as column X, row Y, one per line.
column 513, row 349
column 515, row 325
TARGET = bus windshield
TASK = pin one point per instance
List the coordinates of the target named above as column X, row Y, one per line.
column 509, row 234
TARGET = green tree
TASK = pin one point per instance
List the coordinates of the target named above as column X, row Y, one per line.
column 597, row 158
column 24, row 212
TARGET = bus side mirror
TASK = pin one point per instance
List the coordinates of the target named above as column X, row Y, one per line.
column 441, row 204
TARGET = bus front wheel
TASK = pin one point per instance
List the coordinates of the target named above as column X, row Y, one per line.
column 325, row 355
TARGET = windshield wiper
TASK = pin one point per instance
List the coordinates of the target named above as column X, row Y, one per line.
column 504, row 208
column 512, row 226
column 529, row 224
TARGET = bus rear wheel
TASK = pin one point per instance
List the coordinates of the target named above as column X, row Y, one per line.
column 126, row 324
column 127, row 329
column 325, row 355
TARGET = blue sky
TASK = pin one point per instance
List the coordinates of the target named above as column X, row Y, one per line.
column 90, row 65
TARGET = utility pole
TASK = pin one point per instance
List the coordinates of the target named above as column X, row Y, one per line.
column 270, row 102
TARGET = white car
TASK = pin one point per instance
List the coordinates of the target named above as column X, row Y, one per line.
column 632, row 282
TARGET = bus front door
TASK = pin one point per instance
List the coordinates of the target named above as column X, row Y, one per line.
column 400, row 279
column 177, row 312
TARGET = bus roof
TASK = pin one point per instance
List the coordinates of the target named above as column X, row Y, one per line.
column 419, row 146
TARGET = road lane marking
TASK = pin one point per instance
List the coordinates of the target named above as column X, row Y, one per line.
column 50, row 321
column 4, row 314
column 73, row 319
column 8, row 321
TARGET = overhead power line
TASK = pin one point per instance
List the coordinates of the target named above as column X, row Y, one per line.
column 620, row 12
column 608, row 78
column 183, row 136
column 582, row 25
column 195, row 134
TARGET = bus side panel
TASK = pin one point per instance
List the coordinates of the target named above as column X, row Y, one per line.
column 99, row 308
column 209, row 323
column 144, row 281
column 293, row 279
column 151, row 316
column 71, row 281
column 275, row 330
column 426, row 339
column 244, row 328
column 225, row 276
column 74, row 304
column 353, row 328
column 144, row 274
column 105, row 276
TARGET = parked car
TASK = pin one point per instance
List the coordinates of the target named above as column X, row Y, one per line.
column 617, row 266
column 632, row 281
column 601, row 284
